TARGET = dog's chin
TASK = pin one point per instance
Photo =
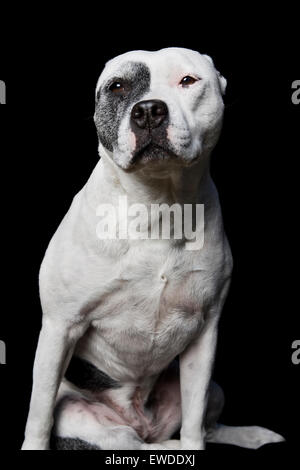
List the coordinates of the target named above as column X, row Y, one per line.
column 154, row 155
column 157, row 159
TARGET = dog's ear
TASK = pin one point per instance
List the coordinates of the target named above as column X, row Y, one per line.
column 222, row 80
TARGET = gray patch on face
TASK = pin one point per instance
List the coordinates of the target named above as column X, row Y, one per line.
column 111, row 107
column 86, row 376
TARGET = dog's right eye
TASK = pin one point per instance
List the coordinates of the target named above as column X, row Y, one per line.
column 187, row 81
column 117, row 87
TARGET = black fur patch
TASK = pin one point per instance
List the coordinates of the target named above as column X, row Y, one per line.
column 111, row 107
column 85, row 375
column 67, row 443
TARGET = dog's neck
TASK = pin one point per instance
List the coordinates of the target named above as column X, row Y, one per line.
column 181, row 185
column 184, row 186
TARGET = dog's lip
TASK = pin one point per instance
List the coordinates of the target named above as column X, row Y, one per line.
column 139, row 153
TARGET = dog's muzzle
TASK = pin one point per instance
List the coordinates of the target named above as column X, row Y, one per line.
column 149, row 121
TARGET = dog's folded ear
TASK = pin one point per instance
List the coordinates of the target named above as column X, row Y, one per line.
column 222, row 80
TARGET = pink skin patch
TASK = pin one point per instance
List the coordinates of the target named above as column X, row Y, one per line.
column 162, row 415
column 153, row 422
column 170, row 133
column 175, row 76
column 132, row 141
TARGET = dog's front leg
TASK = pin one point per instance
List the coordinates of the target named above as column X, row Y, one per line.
column 56, row 342
column 196, row 364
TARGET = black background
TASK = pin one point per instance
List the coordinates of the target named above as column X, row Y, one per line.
column 49, row 147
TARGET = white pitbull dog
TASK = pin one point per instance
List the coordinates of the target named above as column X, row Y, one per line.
column 129, row 331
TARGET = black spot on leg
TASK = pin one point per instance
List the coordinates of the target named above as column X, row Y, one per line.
column 111, row 108
column 85, row 375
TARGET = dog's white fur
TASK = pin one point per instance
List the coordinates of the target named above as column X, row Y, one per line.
column 131, row 306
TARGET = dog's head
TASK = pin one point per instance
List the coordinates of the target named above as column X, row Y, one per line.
column 158, row 108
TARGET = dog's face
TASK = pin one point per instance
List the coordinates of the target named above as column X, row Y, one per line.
column 159, row 108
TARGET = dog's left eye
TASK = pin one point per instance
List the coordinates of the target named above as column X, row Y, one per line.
column 187, row 81
column 117, row 87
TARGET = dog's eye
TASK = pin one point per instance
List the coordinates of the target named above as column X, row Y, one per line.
column 187, row 81
column 117, row 87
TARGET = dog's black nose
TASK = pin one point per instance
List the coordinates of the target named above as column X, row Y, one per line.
column 149, row 113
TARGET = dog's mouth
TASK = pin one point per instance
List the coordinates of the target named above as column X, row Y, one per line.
column 152, row 152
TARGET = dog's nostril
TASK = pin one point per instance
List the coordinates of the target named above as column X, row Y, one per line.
column 159, row 110
column 149, row 113
column 137, row 113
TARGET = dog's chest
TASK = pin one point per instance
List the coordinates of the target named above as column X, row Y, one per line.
column 152, row 310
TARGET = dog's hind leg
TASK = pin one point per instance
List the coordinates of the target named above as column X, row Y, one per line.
column 81, row 424
column 251, row 437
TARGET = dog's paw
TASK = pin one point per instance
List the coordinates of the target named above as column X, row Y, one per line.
column 258, row 437
column 154, row 446
column 174, row 444
column 251, row 437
